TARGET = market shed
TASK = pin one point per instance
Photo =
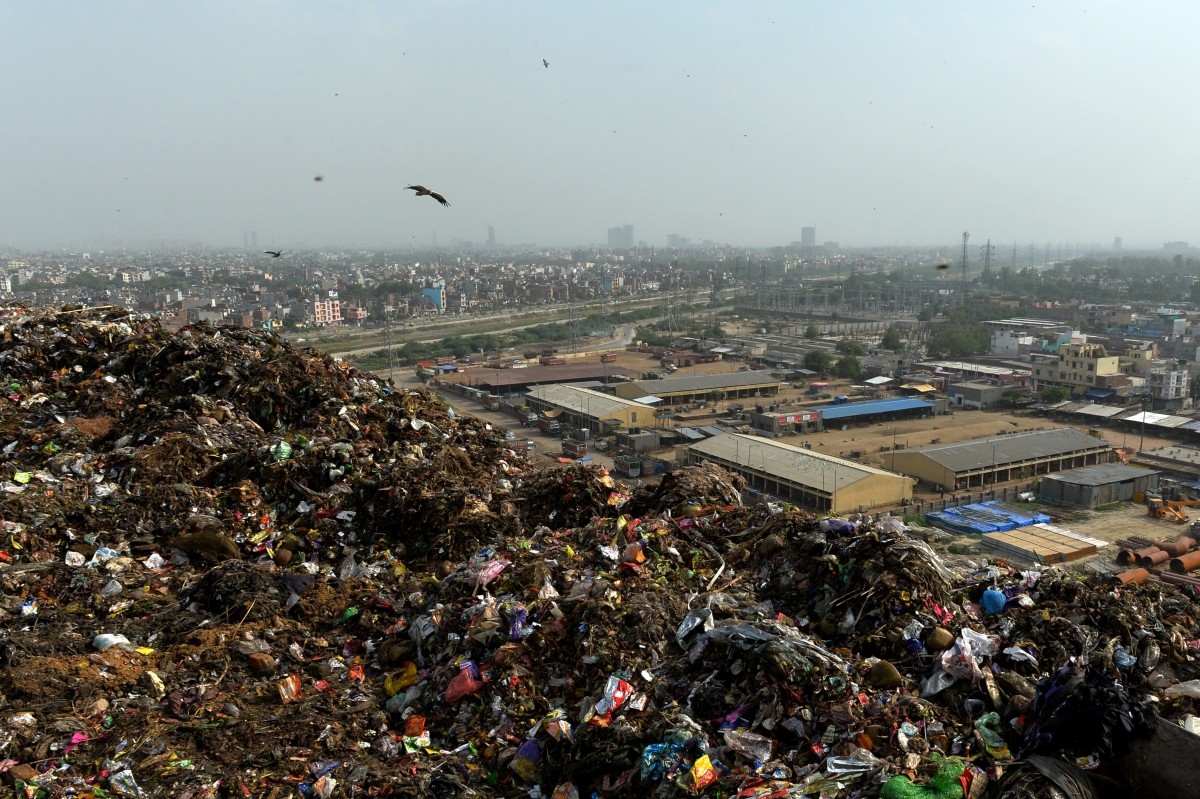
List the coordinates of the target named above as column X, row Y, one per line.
column 692, row 388
column 801, row 476
column 1018, row 456
column 585, row 409
column 873, row 411
column 1092, row 486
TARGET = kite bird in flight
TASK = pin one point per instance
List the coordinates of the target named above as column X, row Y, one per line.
column 545, row 63
column 424, row 192
column 944, row 265
column 273, row 253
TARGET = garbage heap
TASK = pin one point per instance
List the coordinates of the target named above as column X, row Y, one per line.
column 233, row 567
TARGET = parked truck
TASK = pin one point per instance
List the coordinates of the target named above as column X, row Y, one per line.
column 574, row 449
column 550, row 426
column 608, row 357
column 628, row 465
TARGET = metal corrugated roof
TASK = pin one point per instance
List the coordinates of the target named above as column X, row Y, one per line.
column 1099, row 475
column 786, row 462
column 1174, row 421
column 966, row 456
column 693, row 383
column 1157, row 419
column 852, row 409
column 583, row 400
column 1103, row 411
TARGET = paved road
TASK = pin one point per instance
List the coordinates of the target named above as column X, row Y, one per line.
column 622, row 339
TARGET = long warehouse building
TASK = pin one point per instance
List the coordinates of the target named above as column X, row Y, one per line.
column 984, row 461
column 585, row 409
column 682, row 390
column 801, row 476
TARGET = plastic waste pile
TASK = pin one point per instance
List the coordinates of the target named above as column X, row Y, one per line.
column 229, row 566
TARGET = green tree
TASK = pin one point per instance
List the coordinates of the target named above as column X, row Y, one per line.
column 811, row 332
column 958, row 342
column 1195, row 387
column 818, row 361
column 1054, row 394
column 849, row 346
column 959, row 315
column 891, row 339
column 848, row 368
column 1011, row 396
column 925, row 315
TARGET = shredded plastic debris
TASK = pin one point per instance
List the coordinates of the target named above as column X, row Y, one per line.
column 229, row 566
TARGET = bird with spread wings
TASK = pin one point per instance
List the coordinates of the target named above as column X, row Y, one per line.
column 424, row 192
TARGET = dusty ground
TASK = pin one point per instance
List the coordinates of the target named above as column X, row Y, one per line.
column 1111, row 525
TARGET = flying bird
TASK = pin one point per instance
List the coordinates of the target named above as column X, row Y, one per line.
column 273, row 253
column 318, row 178
column 944, row 265
column 545, row 63
column 424, row 192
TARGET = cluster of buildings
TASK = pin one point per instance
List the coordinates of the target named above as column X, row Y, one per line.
column 338, row 288
column 587, row 401
column 1140, row 355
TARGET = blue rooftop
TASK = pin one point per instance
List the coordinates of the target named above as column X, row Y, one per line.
column 852, row 409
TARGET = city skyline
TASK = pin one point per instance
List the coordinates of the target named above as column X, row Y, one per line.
column 879, row 126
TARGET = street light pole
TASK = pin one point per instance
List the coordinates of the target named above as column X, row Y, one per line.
column 1142, row 444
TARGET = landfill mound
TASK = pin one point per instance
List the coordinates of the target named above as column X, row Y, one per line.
column 234, row 567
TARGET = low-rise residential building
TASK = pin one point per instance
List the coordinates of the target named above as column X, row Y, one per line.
column 326, row 311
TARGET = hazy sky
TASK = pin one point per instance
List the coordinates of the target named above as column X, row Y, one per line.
column 877, row 122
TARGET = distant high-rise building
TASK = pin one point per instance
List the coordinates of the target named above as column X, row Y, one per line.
column 491, row 236
column 1117, row 243
column 620, row 237
column 808, row 237
column 254, row 241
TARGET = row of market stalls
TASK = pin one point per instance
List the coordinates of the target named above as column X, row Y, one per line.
column 1130, row 418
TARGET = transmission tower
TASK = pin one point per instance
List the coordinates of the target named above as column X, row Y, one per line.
column 966, row 237
column 572, row 320
column 987, row 250
column 689, row 299
column 387, row 335
column 669, row 320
